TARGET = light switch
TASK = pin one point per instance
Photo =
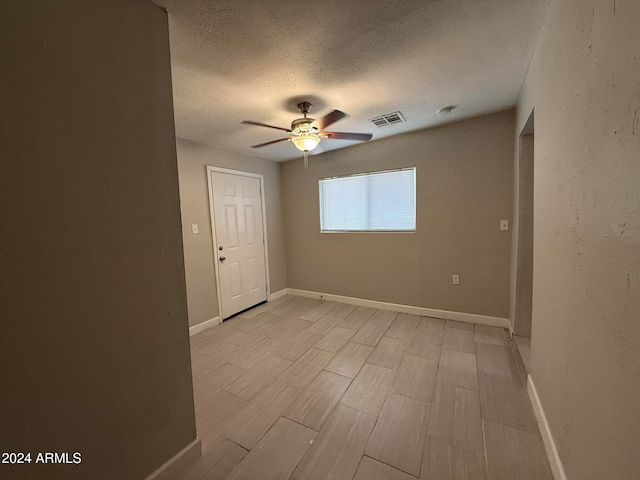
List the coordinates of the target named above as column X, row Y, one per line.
column 504, row 224
column 194, row 228
column 456, row 279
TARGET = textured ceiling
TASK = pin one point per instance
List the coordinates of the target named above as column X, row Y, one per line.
column 255, row 60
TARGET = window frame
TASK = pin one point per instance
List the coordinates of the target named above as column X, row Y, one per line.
column 373, row 172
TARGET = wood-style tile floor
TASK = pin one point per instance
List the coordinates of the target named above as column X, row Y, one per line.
column 306, row 389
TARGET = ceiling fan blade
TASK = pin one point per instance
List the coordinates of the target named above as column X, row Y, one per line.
column 328, row 119
column 249, row 122
column 363, row 137
column 271, row 142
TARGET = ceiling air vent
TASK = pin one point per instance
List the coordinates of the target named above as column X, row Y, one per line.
column 388, row 119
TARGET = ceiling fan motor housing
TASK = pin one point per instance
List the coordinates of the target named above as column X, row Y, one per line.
column 303, row 124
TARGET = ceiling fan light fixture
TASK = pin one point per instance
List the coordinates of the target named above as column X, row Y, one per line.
column 305, row 142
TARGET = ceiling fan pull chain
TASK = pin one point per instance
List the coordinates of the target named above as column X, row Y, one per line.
column 306, row 159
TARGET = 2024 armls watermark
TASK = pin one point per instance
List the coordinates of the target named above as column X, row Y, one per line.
column 18, row 458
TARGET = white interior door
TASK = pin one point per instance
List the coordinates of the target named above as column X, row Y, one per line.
column 239, row 241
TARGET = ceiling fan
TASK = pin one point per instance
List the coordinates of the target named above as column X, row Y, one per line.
column 306, row 133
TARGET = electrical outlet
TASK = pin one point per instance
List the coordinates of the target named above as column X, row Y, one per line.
column 194, row 228
column 504, row 224
column 456, row 279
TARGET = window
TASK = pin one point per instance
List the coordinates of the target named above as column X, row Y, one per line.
column 378, row 202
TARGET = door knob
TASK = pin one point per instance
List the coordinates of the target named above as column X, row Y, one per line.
column 222, row 259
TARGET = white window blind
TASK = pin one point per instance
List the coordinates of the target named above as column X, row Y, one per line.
column 379, row 201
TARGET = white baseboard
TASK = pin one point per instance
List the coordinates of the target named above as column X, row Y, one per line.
column 423, row 311
column 276, row 295
column 549, row 443
column 204, row 325
column 176, row 465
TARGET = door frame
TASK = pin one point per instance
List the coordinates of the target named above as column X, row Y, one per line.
column 214, row 242
column 523, row 235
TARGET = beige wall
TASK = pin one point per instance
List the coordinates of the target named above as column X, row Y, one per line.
column 584, row 83
column 198, row 250
column 464, row 189
column 95, row 347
